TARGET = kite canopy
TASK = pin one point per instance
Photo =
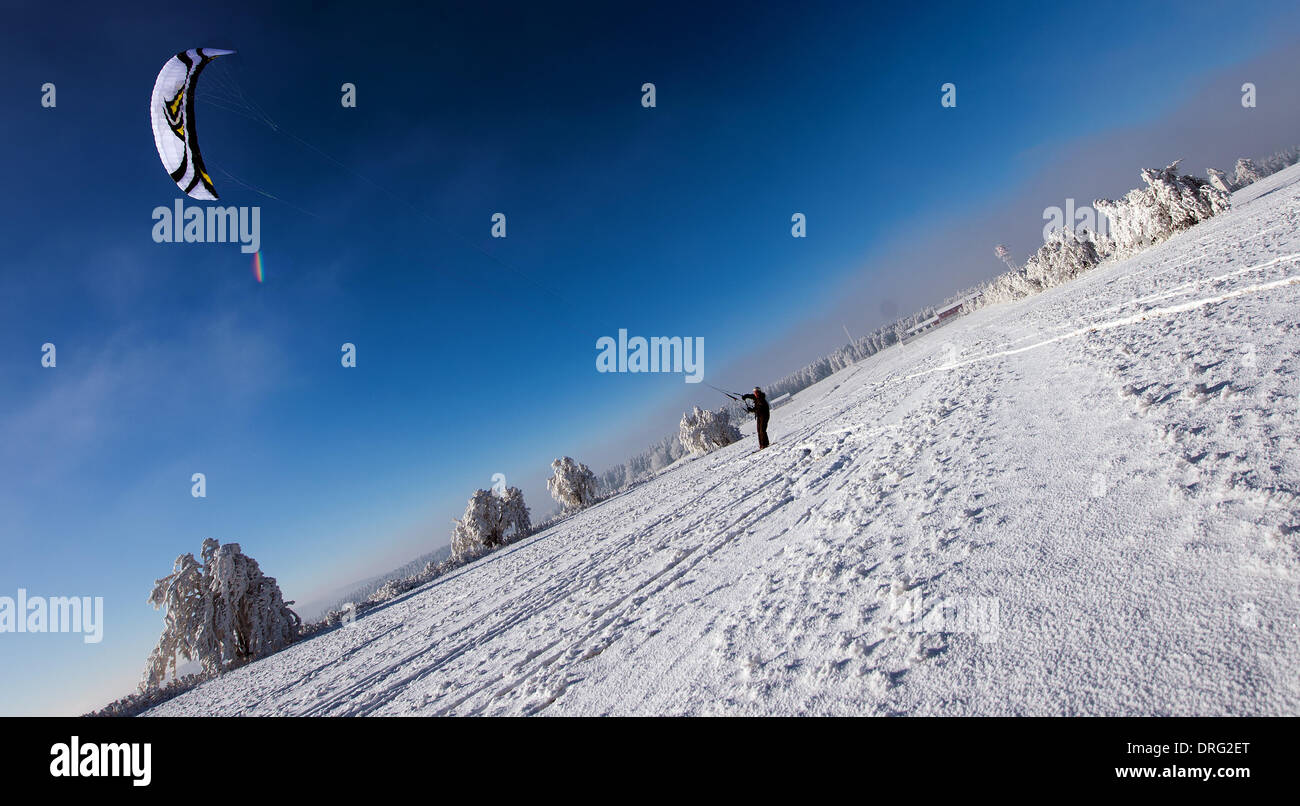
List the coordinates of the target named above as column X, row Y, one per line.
column 174, row 130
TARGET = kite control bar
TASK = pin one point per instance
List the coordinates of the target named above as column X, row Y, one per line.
column 733, row 395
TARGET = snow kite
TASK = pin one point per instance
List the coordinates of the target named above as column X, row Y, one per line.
column 174, row 130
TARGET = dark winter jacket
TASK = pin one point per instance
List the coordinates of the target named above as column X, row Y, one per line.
column 760, row 409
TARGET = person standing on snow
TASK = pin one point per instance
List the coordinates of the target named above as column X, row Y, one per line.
column 761, row 413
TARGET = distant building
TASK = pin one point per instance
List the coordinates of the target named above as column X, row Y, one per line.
column 942, row 316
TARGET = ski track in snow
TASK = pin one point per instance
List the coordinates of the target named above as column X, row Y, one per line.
column 1113, row 462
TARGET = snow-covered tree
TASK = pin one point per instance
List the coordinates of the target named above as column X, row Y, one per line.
column 490, row 520
column 1220, row 180
column 1145, row 216
column 703, row 431
column 573, row 484
column 643, row 465
column 1149, row 215
column 616, row 478
column 1248, row 171
column 1008, row 286
column 1064, row 256
column 1280, row 160
column 1245, row 173
column 138, row 702
column 221, row 612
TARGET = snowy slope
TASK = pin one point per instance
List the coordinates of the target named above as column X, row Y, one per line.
column 1106, row 475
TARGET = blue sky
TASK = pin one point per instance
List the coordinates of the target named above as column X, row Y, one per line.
column 476, row 356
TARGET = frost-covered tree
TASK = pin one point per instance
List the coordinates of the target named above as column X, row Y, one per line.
column 1248, row 171
column 1149, row 215
column 643, row 465
column 1220, row 180
column 1145, row 216
column 140, row 701
column 221, row 612
column 1245, row 173
column 490, row 520
column 703, row 431
column 616, row 478
column 1280, row 160
column 1064, row 256
column 1008, row 286
column 573, row 484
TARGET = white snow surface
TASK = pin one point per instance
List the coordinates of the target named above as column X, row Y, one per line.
column 1109, row 469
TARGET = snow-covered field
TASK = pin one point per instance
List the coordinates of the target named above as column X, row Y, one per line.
column 1087, row 502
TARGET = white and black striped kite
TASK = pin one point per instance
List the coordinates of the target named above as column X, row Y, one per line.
column 174, row 131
